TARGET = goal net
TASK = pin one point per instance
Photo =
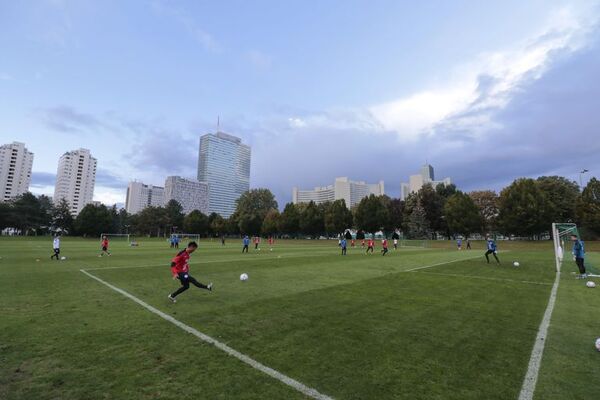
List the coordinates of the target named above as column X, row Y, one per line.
column 124, row 237
column 561, row 235
column 186, row 236
column 412, row 243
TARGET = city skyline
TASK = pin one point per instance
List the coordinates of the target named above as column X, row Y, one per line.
column 515, row 97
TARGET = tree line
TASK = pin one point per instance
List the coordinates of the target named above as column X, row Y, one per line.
column 525, row 208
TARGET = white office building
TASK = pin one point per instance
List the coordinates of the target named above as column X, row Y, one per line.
column 76, row 179
column 15, row 170
column 343, row 188
column 416, row 182
column 224, row 164
column 191, row 194
column 140, row 196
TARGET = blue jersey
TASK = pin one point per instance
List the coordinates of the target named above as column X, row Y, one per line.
column 343, row 243
column 459, row 242
column 491, row 245
column 578, row 250
column 246, row 241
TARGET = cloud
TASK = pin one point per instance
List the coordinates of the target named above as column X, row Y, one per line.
column 107, row 179
column 259, row 59
column 190, row 25
column 487, row 84
column 5, row 77
column 69, row 120
column 40, row 180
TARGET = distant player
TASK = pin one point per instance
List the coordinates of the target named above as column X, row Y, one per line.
column 176, row 241
column 370, row 245
column 271, row 242
column 180, row 270
column 222, row 240
column 246, row 243
column 459, row 243
column 395, row 244
column 384, row 244
column 468, row 244
column 56, row 247
column 104, row 246
column 491, row 249
column 352, row 242
column 172, row 241
column 362, row 243
column 343, row 244
column 579, row 254
column 256, row 242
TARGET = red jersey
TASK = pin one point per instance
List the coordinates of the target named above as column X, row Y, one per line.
column 371, row 243
column 384, row 243
column 179, row 263
column 105, row 243
column 256, row 240
column 271, row 241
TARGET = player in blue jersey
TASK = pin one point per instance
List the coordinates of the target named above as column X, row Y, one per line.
column 579, row 255
column 491, row 249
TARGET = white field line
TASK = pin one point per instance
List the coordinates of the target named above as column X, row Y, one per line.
column 440, row 263
column 528, row 388
column 484, row 278
column 248, row 258
column 310, row 392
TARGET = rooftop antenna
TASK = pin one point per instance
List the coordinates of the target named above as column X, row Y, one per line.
column 218, row 122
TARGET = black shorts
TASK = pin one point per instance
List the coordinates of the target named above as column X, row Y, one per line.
column 56, row 251
column 104, row 248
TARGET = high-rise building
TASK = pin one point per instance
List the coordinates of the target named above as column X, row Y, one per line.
column 191, row 194
column 416, row 182
column 15, row 170
column 224, row 164
column 76, row 179
column 352, row 192
column 140, row 196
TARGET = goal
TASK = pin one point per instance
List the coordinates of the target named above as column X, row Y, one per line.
column 561, row 234
column 186, row 236
column 116, row 236
column 412, row 243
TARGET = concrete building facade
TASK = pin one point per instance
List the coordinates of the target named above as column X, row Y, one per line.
column 191, row 194
column 343, row 188
column 416, row 182
column 140, row 196
column 15, row 170
column 76, row 179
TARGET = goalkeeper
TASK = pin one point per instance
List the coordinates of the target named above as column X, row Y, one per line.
column 491, row 249
column 579, row 255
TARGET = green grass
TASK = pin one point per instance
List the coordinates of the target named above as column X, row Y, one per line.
column 354, row 327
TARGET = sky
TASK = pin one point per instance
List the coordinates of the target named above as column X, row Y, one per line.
column 486, row 92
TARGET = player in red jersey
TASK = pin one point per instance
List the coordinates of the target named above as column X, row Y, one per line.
column 271, row 242
column 370, row 246
column 384, row 244
column 104, row 246
column 256, row 242
column 180, row 270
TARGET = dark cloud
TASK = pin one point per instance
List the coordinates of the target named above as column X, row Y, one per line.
column 107, row 179
column 69, row 120
column 42, row 179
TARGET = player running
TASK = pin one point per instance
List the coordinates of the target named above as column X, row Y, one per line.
column 395, row 244
column 180, row 270
column 579, row 254
column 104, row 246
column 370, row 246
column 459, row 244
column 256, row 242
column 271, row 242
column 246, row 243
column 468, row 244
column 56, row 247
column 343, row 244
column 491, row 249
column 384, row 244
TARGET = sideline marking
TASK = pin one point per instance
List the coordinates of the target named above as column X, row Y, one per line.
column 222, row 346
column 440, row 263
column 530, row 380
column 484, row 278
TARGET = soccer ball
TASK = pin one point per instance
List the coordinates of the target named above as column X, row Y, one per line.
column 598, row 344
column 63, row 258
column 516, row 264
column 590, row 284
column 244, row 277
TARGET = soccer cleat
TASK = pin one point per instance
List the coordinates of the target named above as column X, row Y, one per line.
column 172, row 298
column 209, row 286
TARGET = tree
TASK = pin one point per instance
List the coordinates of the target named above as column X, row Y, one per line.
column 311, row 219
column 562, row 195
column 216, row 224
column 270, row 224
column 433, row 204
column 289, row 221
column 93, row 220
column 417, row 226
column 487, row 203
column 62, row 220
column 523, row 209
column 371, row 214
column 396, row 211
column 337, row 217
column 6, row 215
column 588, row 208
column 462, row 215
column 196, row 222
column 252, row 208
column 151, row 220
column 27, row 213
column 174, row 214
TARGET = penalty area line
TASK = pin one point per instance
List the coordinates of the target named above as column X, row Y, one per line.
column 302, row 388
column 487, row 278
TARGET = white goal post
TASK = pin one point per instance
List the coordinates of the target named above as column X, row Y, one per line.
column 112, row 236
column 560, row 235
column 190, row 236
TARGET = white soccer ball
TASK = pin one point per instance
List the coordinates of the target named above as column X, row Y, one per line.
column 516, row 264
column 590, row 284
column 244, row 277
column 598, row 344
column 63, row 258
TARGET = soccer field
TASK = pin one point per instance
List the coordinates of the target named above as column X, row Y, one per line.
column 419, row 323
